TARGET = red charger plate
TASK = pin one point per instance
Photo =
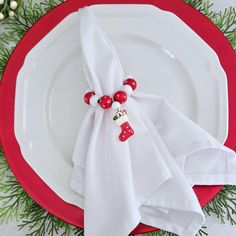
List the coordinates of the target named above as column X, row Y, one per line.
column 29, row 180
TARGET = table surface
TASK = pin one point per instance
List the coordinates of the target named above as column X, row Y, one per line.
column 214, row 227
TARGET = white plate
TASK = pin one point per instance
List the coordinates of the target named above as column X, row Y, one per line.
column 157, row 48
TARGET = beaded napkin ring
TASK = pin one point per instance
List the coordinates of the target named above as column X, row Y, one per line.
column 120, row 97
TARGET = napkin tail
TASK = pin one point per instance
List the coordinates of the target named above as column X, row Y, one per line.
column 174, row 206
column 199, row 155
column 115, row 178
column 178, row 221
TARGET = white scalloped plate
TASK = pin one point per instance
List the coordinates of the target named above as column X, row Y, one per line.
column 156, row 47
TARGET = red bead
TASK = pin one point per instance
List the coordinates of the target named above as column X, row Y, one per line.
column 105, row 102
column 87, row 97
column 120, row 96
column 131, row 82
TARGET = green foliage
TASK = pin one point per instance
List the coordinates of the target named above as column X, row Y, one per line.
column 225, row 21
column 41, row 223
column 4, row 56
column 224, row 205
column 6, row 10
column 15, row 27
column 15, row 203
column 195, row 3
column 4, row 167
column 27, row 15
column 12, row 196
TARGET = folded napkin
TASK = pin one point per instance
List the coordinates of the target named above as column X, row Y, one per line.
column 148, row 177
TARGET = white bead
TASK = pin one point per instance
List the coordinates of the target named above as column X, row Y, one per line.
column 94, row 100
column 87, row 90
column 116, row 105
column 1, row 16
column 11, row 13
column 127, row 89
column 13, row 5
column 1, row 2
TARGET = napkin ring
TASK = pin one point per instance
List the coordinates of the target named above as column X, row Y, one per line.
column 119, row 98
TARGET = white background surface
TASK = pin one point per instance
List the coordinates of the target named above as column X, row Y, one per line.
column 214, row 227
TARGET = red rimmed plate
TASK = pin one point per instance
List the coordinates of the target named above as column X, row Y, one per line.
column 34, row 185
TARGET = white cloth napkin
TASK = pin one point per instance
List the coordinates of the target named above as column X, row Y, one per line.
column 148, row 178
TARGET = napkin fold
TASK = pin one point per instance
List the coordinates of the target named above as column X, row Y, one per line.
column 147, row 178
